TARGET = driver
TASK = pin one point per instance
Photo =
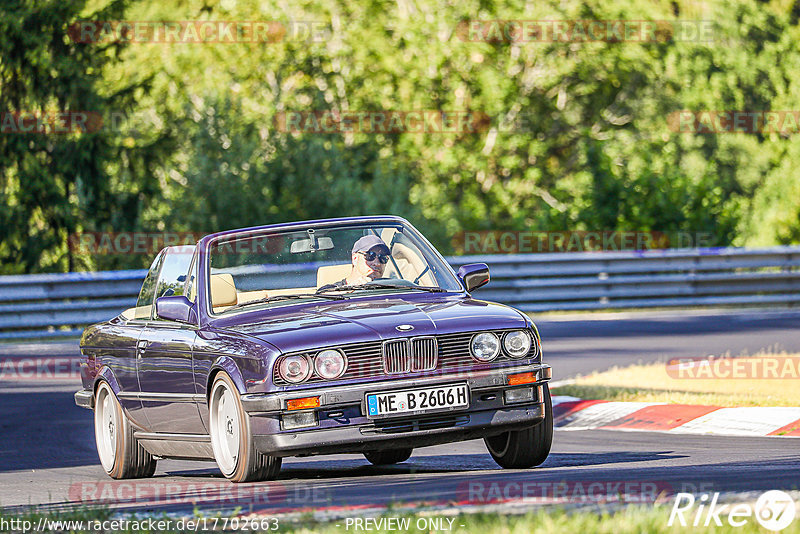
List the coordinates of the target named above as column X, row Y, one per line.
column 369, row 256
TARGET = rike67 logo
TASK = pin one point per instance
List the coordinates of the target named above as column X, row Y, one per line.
column 774, row 510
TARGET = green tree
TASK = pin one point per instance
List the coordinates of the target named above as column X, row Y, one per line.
column 580, row 136
column 55, row 185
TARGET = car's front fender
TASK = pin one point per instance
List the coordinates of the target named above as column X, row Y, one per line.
column 228, row 365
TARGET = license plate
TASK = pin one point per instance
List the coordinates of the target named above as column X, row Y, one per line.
column 418, row 400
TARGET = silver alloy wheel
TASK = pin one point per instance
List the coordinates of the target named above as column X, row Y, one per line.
column 106, row 426
column 225, row 427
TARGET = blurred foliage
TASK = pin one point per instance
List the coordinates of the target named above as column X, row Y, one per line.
column 590, row 146
column 58, row 184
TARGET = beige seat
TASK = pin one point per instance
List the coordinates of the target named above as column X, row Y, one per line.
column 289, row 291
column 250, row 296
column 223, row 290
column 139, row 312
column 407, row 263
column 328, row 274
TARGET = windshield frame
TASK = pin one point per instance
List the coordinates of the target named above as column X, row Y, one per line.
column 385, row 221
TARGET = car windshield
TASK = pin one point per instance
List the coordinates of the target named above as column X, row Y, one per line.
column 275, row 267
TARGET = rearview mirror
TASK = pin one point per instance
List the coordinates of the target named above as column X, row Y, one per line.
column 174, row 308
column 311, row 245
column 474, row 275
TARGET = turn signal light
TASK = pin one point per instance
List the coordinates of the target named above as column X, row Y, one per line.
column 521, row 378
column 300, row 404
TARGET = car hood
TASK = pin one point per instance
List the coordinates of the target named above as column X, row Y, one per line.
column 304, row 327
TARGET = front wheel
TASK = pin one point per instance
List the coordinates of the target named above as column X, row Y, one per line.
column 231, row 438
column 393, row 456
column 529, row 447
column 120, row 453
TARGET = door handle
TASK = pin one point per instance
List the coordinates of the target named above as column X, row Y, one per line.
column 141, row 345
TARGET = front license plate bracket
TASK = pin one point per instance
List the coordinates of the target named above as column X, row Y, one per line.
column 417, row 401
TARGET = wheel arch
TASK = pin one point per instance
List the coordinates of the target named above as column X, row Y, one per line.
column 106, row 374
column 227, row 365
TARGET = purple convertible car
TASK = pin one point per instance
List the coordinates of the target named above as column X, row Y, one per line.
column 333, row 336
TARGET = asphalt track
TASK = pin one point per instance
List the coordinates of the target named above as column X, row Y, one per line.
column 48, row 457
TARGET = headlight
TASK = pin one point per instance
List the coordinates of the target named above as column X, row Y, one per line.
column 295, row 369
column 485, row 347
column 517, row 343
column 330, row 364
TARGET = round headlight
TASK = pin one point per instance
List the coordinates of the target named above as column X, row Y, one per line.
column 485, row 347
column 517, row 343
column 295, row 369
column 330, row 364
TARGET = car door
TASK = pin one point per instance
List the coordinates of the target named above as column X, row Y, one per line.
column 117, row 351
column 119, row 346
column 164, row 358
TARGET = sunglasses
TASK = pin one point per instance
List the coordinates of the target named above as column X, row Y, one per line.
column 370, row 256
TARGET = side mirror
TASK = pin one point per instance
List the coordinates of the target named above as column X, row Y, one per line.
column 474, row 275
column 174, row 308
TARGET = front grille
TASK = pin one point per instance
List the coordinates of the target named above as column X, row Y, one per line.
column 429, row 354
column 409, row 355
column 424, row 353
column 395, row 357
column 414, row 425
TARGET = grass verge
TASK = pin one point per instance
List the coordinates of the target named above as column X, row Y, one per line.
column 765, row 379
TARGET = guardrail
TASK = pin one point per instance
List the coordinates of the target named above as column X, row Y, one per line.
column 55, row 305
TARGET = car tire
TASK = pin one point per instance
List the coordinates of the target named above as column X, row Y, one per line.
column 529, row 447
column 121, row 455
column 231, row 438
column 393, row 456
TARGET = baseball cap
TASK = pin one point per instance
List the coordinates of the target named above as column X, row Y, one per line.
column 368, row 242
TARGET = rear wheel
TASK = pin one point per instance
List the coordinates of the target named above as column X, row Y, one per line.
column 529, row 447
column 393, row 456
column 231, row 438
column 120, row 453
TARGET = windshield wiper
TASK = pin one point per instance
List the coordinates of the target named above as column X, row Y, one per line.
column 377, row 285
column 276, row 298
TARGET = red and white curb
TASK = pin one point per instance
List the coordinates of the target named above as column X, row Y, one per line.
column 576, row 414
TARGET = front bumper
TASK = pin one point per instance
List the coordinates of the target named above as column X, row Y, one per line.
column 85, row 399
column 342, row 426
